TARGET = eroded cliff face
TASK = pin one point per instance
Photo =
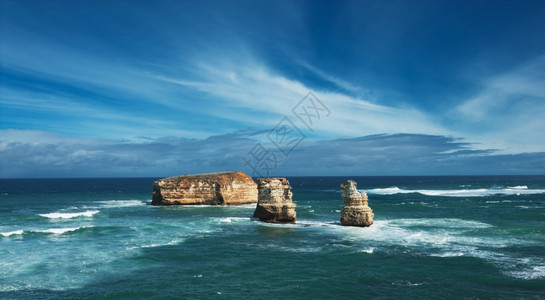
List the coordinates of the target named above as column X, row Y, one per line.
column 226, row 188
column 356, row 211
column 274, row 201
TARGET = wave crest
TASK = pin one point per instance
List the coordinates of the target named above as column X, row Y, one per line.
column 47, row 231
column 10, row 233
column 61, row 230
column 59, row 215
column 512, row 190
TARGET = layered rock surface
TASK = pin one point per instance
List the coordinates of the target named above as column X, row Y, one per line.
column 226, row 188
column 356, row 211
column 274, row 201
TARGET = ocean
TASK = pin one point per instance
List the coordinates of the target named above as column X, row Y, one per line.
column 476, row 237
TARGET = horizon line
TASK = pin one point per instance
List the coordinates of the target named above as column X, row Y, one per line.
column 295, row 176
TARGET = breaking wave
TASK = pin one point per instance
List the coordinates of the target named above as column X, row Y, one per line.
column 46, row 231
column 70, row 215
column 10, row 233
column 61, row 230
column 510, row 190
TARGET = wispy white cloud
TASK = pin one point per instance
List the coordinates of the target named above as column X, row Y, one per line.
column 266, row 97
column 508, row 112
column 236, row 87
column 78, row 116
column 335, row 80
column 507, row 89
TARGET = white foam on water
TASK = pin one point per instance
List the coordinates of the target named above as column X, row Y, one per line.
column 527, row 268
column 170, row 243
column 444, row 238
column 70, row 215
column 61, row 230
column 224, row 220
column 49, row 230
column 448, row 254
column 120, row 203
column 387, row 191
column 447, row 234
column 248, row 205
column 230, row 219
column 440, row 222
column 531, row 273
column 240, row 219
column 516, row 190
column 406, row 283
column 277, row 225
column 295, row 249
column 315, row 224
column 206, row 231
column 10, row 233
column 368, row 250
column 518, row 187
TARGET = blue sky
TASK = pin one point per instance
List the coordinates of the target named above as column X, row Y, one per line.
column 161, row 88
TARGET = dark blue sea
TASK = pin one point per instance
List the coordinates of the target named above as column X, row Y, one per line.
column 479, row 237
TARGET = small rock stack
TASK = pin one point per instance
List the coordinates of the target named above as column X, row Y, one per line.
column 274, row 203
column 356, row 212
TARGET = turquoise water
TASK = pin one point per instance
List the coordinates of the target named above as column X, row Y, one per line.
column 433, row 237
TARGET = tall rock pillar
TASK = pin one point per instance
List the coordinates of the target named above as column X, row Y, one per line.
column 274, row 204
column 356, row 212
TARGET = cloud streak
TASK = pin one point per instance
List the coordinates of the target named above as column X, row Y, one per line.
column 235, row 94
column 507, row 112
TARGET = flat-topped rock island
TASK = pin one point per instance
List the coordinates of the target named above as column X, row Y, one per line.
column 225, row 188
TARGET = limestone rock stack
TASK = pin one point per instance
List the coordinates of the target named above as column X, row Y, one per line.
column 356, row 212
column 226, row 188
column 274, row 201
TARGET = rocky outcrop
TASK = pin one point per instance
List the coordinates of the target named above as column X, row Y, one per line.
column 274, row 201
column 356, row 212
column 227, row 188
